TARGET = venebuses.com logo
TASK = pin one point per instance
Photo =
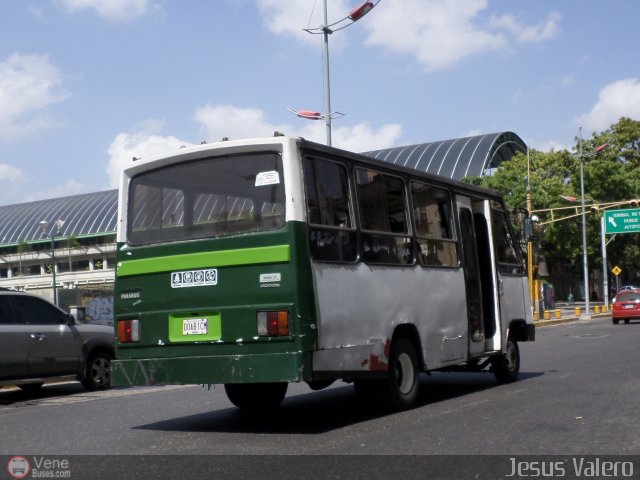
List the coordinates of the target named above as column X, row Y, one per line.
column 38, row 467
column 18, row 467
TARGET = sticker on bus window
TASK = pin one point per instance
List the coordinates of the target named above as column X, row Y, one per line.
column 267, row 178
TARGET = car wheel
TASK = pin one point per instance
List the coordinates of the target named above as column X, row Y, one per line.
column 506, row 366
column 627, row 321
column 615, row 321
column 98, row 371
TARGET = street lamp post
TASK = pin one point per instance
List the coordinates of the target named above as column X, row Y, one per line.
column 51, row 233
column 325, row 30
column 585, row 265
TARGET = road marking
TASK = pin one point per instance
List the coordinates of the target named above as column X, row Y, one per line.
column 66, row 399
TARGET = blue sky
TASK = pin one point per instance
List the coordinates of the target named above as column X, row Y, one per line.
column 87, row 84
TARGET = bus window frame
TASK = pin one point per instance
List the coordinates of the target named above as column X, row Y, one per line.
column 408, row 235
column 319, row 228
column 516, row 268
column 189, row 192
column 453, row 224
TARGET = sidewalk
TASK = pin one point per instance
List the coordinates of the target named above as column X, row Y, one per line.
column 568, row 313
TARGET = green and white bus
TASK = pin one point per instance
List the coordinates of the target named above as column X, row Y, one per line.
column 260, row 262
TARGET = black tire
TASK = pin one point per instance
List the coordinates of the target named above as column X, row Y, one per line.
column 403, row 380
column 31, row 387
column 627, row 321
column 256, row 397
column 615, row 321
column 97, row 374
column 506, row 366
column 399, row 390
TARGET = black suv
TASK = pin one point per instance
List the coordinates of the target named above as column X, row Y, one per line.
column 39, row 343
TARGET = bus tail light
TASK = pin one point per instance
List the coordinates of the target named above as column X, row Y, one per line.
column 273, row 323
column 128, row 331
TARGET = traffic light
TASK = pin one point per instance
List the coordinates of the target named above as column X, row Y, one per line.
column 594, row 208
column 635, row 202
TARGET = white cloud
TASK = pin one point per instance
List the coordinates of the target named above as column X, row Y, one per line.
column 292, row 16
column 117, row 10
column 540, row 32
column 548, row 146
column 362, row 137
column 618, row 99
column 10, row 174
column 437, row 33
column 218, row 121
column 143, row 142
column 228, row 121
column 28, row 84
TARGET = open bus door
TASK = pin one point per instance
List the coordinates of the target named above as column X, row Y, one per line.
column 480, row 278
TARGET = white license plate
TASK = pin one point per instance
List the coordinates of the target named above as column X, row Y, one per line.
column 195, row 326
column 628, row 306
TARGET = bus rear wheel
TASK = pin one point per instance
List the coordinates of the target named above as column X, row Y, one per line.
column 399, row 390
column 255, row 397
column 403, row 379
column 506, row 366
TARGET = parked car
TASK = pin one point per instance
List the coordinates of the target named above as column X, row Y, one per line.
column 40, row 342
column 626, row 306
column 628, row 287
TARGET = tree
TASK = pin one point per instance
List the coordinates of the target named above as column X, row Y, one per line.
column 610, row 174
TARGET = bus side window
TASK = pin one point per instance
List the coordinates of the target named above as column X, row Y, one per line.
column 332, row 237
column 383, row 209
column 434, row 225
column 506, row 251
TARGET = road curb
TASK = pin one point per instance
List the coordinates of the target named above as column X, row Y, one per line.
column 548, row 323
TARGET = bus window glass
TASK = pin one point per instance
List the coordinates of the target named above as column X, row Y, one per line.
column 434, row 225
column 381, row 201
column 331, row 234
column 327, row 188
column 508, row 259
column 207, row 198
column 382, row 207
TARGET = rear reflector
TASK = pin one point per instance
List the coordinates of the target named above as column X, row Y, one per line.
column 128, row 331
column 273, row 323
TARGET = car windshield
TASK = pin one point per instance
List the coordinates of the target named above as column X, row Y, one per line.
column 207, row 198
column 628, row 297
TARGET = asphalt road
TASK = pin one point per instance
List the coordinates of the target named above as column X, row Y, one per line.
column 577, row 395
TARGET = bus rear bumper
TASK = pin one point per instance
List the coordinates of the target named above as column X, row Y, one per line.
column 251, row 368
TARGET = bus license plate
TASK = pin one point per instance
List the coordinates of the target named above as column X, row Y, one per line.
column 195, row 326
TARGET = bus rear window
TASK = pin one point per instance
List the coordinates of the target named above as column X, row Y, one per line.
column 208, row 198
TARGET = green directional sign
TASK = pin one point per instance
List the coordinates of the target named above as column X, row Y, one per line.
column 622, row 221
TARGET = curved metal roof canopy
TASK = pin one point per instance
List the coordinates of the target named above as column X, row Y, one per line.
column 87, row 214
column 456, row 158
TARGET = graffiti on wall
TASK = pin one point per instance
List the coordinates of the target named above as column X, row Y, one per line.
column 100, row 311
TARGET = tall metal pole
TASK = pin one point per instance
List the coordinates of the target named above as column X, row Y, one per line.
column 529, row 242
column 53, row 268
column 605, row 270
column 585, row 265
column 326, row 31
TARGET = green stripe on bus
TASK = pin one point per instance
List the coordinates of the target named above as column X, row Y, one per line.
column 222, row 258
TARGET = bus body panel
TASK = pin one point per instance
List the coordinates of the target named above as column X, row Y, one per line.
column 245, row 284
column 358, row 312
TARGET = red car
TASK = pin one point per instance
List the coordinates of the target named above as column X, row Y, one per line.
column 626, row 305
